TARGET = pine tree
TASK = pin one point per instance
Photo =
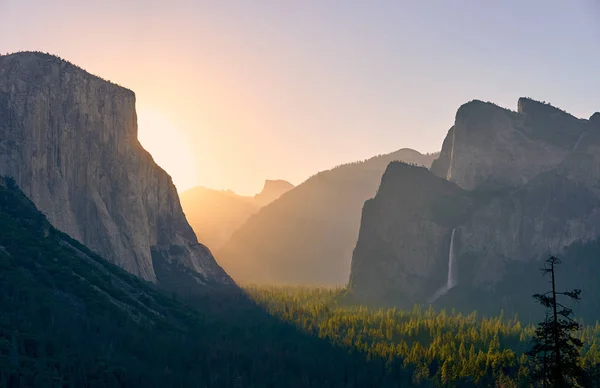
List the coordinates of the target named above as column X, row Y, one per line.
column 555, row 351
column 446, row 373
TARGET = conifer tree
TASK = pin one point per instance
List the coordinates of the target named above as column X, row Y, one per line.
column 555, row 351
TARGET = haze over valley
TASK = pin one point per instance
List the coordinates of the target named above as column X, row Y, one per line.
column 244, row 194
column 216, row 214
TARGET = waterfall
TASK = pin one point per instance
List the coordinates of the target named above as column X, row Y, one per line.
column 578, row 141
column 451, row 264
column 451, row 282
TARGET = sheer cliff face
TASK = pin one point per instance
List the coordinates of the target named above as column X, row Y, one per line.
column 548, row 197
column 515, row 186
column 492, row 147
column 404, row 237
column 69, row 139
column 545, row 216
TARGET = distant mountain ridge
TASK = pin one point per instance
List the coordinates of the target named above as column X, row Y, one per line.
column 216, row 214
column 307, row 235
column 69, row 139
column 511, row 186
column 272, row 190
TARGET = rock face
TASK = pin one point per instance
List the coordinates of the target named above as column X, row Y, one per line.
column 516, row 186
column 404, row 236
column 69, row 139
column 272, row 190
column 536, row 138
column 307, row 235
column 216, row 214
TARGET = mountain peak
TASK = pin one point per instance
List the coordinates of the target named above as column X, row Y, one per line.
column 274, row 183
column 398, row 173
column 529, row 106
column 273, row 189
column 478, row 110
column 488, row 145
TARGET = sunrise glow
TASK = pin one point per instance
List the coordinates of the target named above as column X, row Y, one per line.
column 169, row 147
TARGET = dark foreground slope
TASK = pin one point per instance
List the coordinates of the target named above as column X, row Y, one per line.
column 71, row 319
column 307, row 236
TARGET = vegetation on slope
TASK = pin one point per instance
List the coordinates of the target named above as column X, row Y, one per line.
column 438, row 349
column 71, row 319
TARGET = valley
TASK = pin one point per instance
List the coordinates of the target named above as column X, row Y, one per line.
column 299, row 195
column 84, row 321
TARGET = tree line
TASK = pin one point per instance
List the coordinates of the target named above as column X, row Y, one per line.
column 440, row 348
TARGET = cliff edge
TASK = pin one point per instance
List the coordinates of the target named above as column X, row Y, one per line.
column 69, row 139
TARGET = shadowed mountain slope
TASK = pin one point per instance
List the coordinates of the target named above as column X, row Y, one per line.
column 307, row 236
column 72, row 319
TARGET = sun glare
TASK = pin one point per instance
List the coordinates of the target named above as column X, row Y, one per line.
column 169, row 147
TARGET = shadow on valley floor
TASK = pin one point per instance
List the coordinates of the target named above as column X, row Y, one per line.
column 267, row 351
column 72, row 319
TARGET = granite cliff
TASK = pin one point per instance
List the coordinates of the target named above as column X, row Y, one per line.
column 69, row 139
column 404, row 235
column 492, row 147
column 514, row 186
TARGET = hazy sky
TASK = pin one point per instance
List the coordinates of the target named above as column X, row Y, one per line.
column 232, row 92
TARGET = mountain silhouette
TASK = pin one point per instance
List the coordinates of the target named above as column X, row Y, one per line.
column 308, row 234
column 216, row 214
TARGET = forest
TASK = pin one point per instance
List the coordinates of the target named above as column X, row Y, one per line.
column 440, row 348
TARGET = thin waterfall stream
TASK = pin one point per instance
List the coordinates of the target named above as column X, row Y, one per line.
column 579, row 140
column 451, row 282
column 451, row 264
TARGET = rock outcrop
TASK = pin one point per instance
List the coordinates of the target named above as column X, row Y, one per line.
column 69, row 139
column 516, row 186
column 404, row 237
column 272, row 190
column 307, row 235
column 492, row 147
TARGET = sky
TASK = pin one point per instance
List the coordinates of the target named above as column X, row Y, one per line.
column 230, row 93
